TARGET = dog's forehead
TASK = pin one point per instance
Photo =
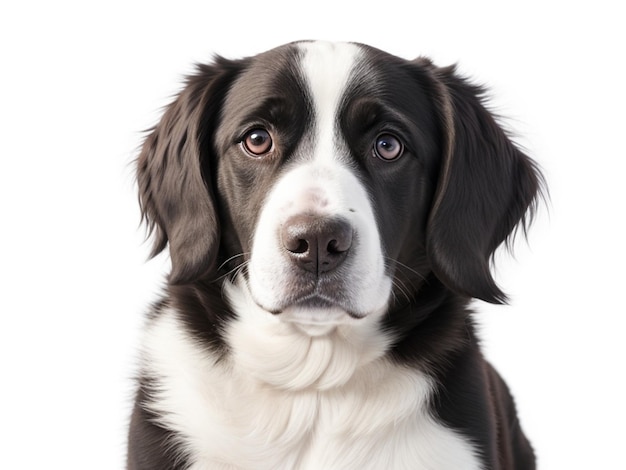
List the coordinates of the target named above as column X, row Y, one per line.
column 321, row 73
column 328, row 68
column 271, row 73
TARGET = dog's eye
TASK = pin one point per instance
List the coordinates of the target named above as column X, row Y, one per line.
column 388, row 147
column 257, row 142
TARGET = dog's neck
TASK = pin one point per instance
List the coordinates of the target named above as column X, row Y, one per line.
column 293, row 356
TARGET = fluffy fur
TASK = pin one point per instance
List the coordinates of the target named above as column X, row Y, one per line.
column 330, row 211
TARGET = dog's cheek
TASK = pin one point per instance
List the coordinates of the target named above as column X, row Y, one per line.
column 242, row 188
column 402, row 199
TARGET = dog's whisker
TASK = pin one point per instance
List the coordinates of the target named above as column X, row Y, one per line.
column 221, row 266
column 402, row 288
column 405, row 267
column 405, row 280
column 234, row 272
column 239, row 270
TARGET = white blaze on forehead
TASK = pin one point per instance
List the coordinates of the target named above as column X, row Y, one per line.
column 327, row 68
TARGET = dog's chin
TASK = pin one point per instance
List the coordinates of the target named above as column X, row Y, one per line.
column 317, row 317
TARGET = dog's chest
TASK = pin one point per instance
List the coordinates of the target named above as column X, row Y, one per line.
column 227, row 419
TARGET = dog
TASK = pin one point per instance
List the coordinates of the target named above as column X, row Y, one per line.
column 331, row 210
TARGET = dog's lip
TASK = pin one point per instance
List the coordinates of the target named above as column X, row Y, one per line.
column 317, row 305
column 315, row 301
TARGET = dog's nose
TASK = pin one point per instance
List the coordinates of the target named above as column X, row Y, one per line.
column 316, row 244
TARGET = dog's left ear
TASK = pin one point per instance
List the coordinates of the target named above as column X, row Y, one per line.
column 486, row 187
column 176, row 198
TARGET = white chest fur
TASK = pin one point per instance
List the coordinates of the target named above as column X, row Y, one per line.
column 290, row 401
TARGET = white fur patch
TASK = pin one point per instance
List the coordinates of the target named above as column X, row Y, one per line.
column 286, row 355
column 327, row 68
column 229, row 418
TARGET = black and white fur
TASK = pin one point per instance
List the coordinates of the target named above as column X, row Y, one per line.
column 330, row 210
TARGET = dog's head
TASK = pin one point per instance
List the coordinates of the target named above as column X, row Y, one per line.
column 329, row 170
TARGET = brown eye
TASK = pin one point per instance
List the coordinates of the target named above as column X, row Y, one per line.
column 257, row 142
column 387, row 147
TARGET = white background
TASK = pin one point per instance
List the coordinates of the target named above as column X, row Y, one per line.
column 80, row 81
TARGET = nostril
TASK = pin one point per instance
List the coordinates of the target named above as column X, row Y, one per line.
column 295, row 238
column 299, row 246
column 341, row 240
column 333, row 247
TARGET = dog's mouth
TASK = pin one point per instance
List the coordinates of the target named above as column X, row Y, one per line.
column 316, row 315
column 317, row 305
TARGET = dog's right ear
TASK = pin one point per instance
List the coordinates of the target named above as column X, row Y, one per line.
column 176, row 199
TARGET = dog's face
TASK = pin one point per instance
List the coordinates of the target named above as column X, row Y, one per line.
column 324, row 181
column 340, row 176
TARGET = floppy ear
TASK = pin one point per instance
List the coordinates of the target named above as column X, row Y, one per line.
column 176, row 200
column 486, row 187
